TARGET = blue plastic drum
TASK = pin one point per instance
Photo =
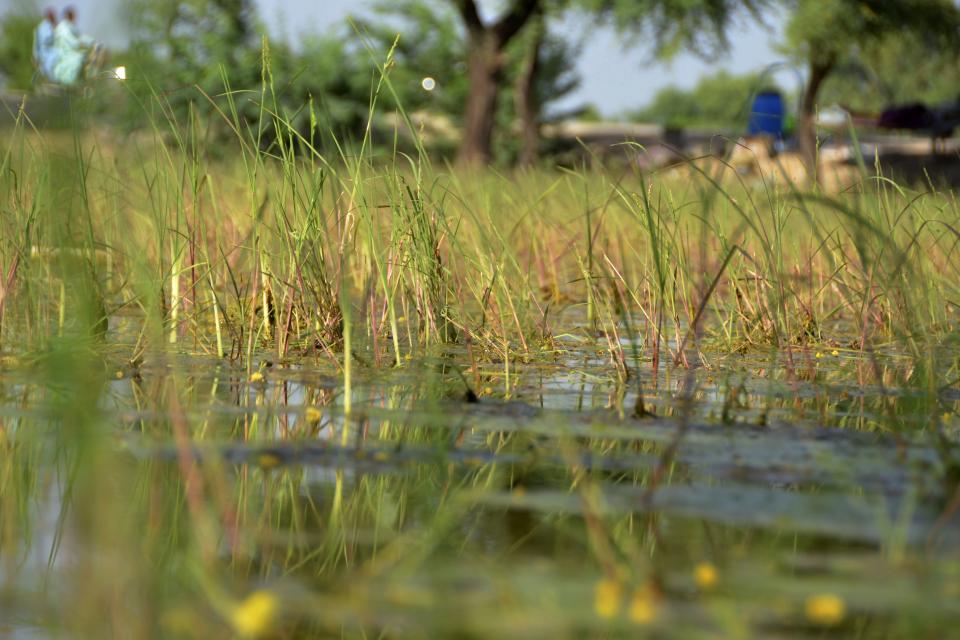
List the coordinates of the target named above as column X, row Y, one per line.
column 766, row 114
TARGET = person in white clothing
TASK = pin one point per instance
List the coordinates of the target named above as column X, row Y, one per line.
column 44, row 52
column 72, row 49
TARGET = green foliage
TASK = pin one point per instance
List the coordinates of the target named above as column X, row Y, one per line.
column 432, row 43
column 16, row 48
column 590, row 113
column 720, row 101
column 181, row 46
column 177, row 46
column 332, row 74
column 672, row 25
column 894, row 70
column 825, row 32
column 218, row 46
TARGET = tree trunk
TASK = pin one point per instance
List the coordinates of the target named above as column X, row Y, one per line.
column 484, row 70
column 807, row 125
column 484, row 67
column 528, row 102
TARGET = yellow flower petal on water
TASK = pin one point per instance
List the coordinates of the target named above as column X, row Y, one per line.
column 825, row 609
column 118, row 375
column 705, row 575
column 256, row 376
column 643, row 607
column 254, row 616
column 313, row 415
column 608, row 595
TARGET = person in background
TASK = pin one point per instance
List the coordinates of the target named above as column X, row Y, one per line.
column 72, row 49
column 44, row 52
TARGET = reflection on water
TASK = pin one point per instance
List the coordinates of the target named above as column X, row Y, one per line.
column 525, row 500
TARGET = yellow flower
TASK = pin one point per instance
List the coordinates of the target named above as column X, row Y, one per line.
column 825, row 609
column 705, row 575
column 834, row 353
column 254, row 616
column 313, row 415
column 118, row 375
column 256, row 376
column 818, row 355
column 643, row 606
column 607, row 598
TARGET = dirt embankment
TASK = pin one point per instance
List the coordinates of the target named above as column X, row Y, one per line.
column 912, row 162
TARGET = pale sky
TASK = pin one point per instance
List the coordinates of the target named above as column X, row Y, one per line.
column 614, row 77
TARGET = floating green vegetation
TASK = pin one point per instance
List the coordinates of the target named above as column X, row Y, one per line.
column 277, row 392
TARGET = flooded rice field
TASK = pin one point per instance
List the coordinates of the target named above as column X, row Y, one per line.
column 755, row 495
column 250, row 393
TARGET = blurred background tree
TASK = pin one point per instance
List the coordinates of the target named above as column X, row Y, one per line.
column 487, row 42
column 430, row 45
column 180, row 46
column 16, row 46
column 433, row 44
column 825, row 34
column 896, row 69
column 668, row 26
column 544, row 68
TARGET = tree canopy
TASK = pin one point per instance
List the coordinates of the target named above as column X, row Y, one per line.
column 825, row 31
column 895, row 69
column 664, row 27
column 823, row 34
